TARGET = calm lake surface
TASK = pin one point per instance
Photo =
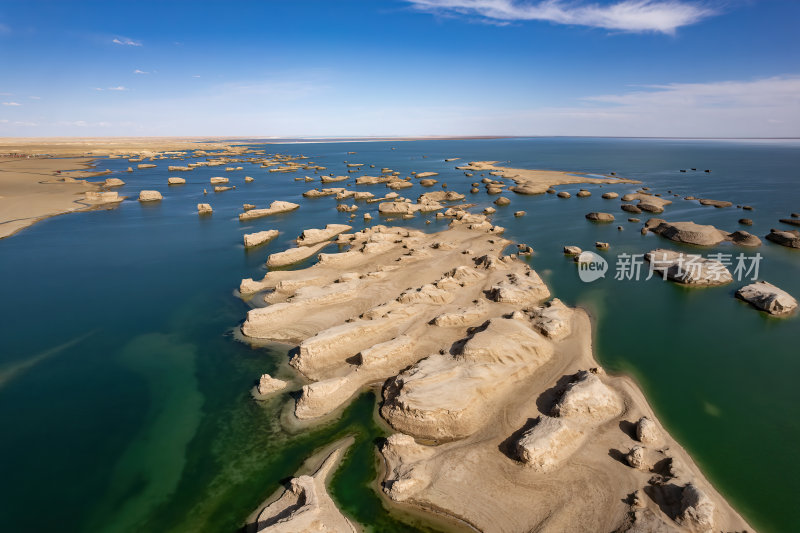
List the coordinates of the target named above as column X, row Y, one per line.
column 124, row 396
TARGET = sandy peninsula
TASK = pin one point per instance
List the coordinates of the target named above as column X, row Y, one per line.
column 530, row 181
column 305, row 504
column 34, row 189
column 504, row 420
column 44, row 177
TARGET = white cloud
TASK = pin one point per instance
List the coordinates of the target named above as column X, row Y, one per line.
column 13, row 104
column 25, row 123
column 125, row 41
column 35, row 97
column 137, row 71
column 195, row 76
column 118, row 88
column 778, row 91
column 82, row 123
column 767, row 107
column 288, row 90
column 663, row 16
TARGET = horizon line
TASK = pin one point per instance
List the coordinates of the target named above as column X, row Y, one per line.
column 368, row 138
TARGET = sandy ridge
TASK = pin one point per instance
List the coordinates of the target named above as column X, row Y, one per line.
column 504, row 419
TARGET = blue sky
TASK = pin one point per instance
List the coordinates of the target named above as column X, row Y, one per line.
column 708, row 68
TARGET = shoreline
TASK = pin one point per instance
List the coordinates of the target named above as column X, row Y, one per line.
column 26, row 200
column 36, row 182
column 633, row 377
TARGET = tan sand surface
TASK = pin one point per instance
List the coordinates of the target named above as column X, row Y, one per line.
column 504, row 420
column 305, row 506
column 537, row 181
column 31, row 189
column 97, row 146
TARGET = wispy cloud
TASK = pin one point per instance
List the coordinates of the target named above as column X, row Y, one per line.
column 118, row 88
column 663, row 16
column 35, row 97
column 12, row 104
column 767, row 107
column 766, row 92
column 83, row 123
column 288, row 89
column 125, row 41
column 137, row 71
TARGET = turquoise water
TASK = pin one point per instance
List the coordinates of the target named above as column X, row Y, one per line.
column 124, row 395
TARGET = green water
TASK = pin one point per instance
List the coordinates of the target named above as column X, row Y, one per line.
column 124, row 396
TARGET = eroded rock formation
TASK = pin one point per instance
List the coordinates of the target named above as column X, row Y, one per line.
column 503, row 419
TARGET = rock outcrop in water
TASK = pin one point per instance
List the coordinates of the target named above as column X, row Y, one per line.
column 305, row 506
column 311, row 237
column 268, row 385
column 767, row 297
column 600, row 217
column 408, row 208
column 690, row 233
column 149, row 196
column 319, row 193
column 688, row 269
column 697, row 234
column 743, row 238
column 275, row 208
column 256, row 239
column 645, row 202
column 714, row 203
column 295, row 255
column 102, row 197
column 790, row 239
